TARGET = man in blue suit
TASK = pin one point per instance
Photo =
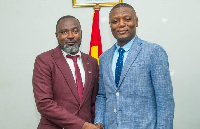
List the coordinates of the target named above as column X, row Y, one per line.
column 135, row 88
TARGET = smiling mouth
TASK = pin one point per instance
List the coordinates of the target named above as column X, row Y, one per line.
column 121, row 32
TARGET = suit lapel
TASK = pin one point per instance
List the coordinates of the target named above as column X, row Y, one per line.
column 88, row 76
column 109, row 58
column 66, row 72
column 132, row 55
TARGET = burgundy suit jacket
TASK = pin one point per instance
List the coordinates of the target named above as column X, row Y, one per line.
column 55, row 91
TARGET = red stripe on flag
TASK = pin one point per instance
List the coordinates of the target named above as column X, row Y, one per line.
column 95, row 35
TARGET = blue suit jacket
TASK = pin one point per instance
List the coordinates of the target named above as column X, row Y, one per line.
column 144, row 98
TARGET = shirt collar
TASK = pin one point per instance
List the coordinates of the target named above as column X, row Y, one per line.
column 127, row 46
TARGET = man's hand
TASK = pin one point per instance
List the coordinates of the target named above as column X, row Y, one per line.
column 88, row 126
column 99, row 125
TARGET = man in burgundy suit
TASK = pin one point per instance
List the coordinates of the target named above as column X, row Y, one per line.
column 65, row 81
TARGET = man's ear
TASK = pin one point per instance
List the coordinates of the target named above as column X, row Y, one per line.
column 136, row 22
column 109, row 24
column 56, row 35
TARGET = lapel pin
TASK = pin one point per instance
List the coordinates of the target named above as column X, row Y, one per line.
column 89, row 71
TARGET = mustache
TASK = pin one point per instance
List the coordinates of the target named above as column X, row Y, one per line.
column 70, row 40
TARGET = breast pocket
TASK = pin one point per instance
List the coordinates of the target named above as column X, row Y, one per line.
column 138, row 68
column 139, row 75
column 138, row 64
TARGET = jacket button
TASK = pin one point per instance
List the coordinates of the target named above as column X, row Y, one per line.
column 117, row 93
column 115, row 111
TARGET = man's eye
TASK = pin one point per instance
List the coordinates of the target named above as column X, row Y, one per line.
column 63, row 32
column 114, row 21
column 75, row 31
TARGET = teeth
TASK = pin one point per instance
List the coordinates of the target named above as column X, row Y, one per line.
column 121, row 32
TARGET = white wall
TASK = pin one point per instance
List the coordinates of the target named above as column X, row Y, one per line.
column 27, row 29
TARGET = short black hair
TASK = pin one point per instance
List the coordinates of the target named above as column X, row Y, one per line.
column 63, row 17
column 123, row 5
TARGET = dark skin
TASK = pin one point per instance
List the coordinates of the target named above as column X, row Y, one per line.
column 69, row 32
column 123, row 22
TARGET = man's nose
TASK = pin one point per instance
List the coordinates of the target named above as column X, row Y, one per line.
column 70, row 35
column 121, row 23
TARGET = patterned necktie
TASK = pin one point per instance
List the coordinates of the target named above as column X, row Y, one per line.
column 119, row 66
column 78, row 75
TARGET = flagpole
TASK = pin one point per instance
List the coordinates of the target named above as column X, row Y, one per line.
column 97, row 7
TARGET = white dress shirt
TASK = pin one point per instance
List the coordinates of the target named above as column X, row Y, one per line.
column 71, row 65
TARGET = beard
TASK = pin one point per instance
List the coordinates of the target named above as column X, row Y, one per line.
column 69, row 49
